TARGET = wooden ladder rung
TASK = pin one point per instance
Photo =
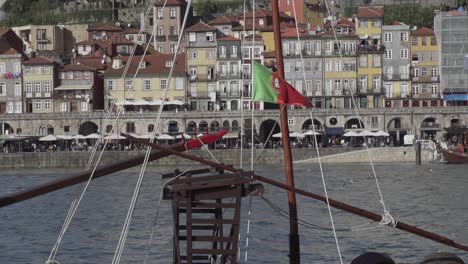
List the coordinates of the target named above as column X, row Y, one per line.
column 211, row 251
column 198, row 227
column 207, row 238
column 198, row 211
column 215, row 221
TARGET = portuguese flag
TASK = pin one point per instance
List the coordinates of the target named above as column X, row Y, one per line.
column 269, row 87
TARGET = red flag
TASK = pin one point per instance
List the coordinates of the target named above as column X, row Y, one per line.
column 289, row 95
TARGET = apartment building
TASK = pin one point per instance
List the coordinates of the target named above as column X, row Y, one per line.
column 39, row 81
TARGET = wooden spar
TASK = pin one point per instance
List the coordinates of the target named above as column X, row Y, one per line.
column 334, row 203
column 106, row 170
column 294, row 244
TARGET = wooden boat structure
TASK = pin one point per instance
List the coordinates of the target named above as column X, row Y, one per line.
column 206, row 202
column 460, row 156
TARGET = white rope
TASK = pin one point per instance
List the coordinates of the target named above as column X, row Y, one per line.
column 315, row 141
column 359, row 118
column 74, row 207
column 124, row 233
column 242, row 37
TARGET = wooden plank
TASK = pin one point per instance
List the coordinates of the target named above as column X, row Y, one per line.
column 192, row 172
column 207, row 238
column 214, row 221
column 209, row 205
column 229, row 252
column 208, row 178
column 197, row 227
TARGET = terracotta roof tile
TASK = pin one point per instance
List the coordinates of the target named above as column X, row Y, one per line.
column 155, row 65
column 423, row 31
column 201, row 27
column 228, row 38
column 39, row 60
column 370, row 11
column 77, row 67
column 223, row 20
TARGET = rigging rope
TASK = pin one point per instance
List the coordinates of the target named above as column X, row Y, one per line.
column 385, row 211
column 75, row 205
column 315, row 140
column 124, row 233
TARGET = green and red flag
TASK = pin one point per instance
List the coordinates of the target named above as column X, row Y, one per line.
column 269, row 87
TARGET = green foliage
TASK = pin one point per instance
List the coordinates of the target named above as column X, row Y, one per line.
column 410, row 14
column 205, row 8
column 46, row 12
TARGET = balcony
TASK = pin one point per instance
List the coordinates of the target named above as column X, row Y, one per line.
column 173, row 37
column 371, row 48
column 228, row 75
column 338, row 93
column 318, row 93
column 160, row 38
column 426, row 79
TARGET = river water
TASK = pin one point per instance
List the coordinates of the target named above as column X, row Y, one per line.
column 431, row 196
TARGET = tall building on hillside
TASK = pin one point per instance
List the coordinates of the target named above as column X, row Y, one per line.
column 396, row 65
column 39, row 80
column 451, row 30
column 170, row 24
column 229, row 73
column 201, row 41
column 369, row 22
column 424, row 68
column 308, row 12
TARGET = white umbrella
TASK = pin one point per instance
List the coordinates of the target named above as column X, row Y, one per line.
column 48, row 138
column 93, row 136
column 366, row 133
column 78, row 137
column 64, row 137
column 146, row 136
column 231, row 135
column 296, row 135
column 157, row 102
column 141, row 102
column 200, row 135
column 351, row 134
column 124, row 102
column 381, row 134
column 114, row 136
column 184, row 135
column 277, row 135
column 175, row 102
column 165, row 137
column 310, row 133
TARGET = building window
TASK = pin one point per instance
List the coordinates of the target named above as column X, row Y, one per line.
column 376, row 82
column 424, row 41
column 434, row 89
column 210, row 54
column 18, row 108
column 147, row 84
column 163, row 84
column 69, row 75
column 388, row 54
column 404, row 36
column 193, row 55
column 37, row 70
column 363, row 61
column 193, row 73
column 41, row 34
column 233, row 50
column 415, row 72
column 338, row 85
column 110, row 85
column 377, row 60
column 222, row 51
column 128, row 85
column 209, row 36
column 29, row 89
column 17, row 89
column 172, row 13
column 172, row 48
column 27, row 70
column 2, row 89
column 46, row 70
column 130, row 127
column 415, row 57
column 37, row 89
column 159, row 13
column 63, row 106
column 17, row 67
column 87, row 75
column 47, row 88
column 404, row 89
column 160, row 31
column 414, row 41
column 415, row 89
column 47, row 104
column 142, row 65
column 433, row 41
column 41, row 46
column 2, row 68
column 38, row 105
column 388, row 37
column 192, row 37
column 84, row 107
column 10, row 107
column 404, row 54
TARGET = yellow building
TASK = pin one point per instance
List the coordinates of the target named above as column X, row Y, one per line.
column 425, row 81
column 201, row 66
column 38, row 82
column 369, row 22
column 145, row 91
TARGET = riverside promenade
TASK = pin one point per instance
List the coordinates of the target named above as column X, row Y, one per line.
column 230, row 156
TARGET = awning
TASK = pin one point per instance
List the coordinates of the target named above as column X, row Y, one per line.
column 73, row 87
column 455, row 97
column 334, row 131
column 363, row 36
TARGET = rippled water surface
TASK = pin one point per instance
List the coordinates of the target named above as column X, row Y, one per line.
column 432, row 196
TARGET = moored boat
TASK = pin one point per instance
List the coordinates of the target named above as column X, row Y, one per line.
column 460, row 156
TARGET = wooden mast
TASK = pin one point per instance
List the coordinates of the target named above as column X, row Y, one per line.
column 294, row 245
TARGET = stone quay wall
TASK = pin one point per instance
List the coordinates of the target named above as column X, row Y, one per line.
column 267, row 157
